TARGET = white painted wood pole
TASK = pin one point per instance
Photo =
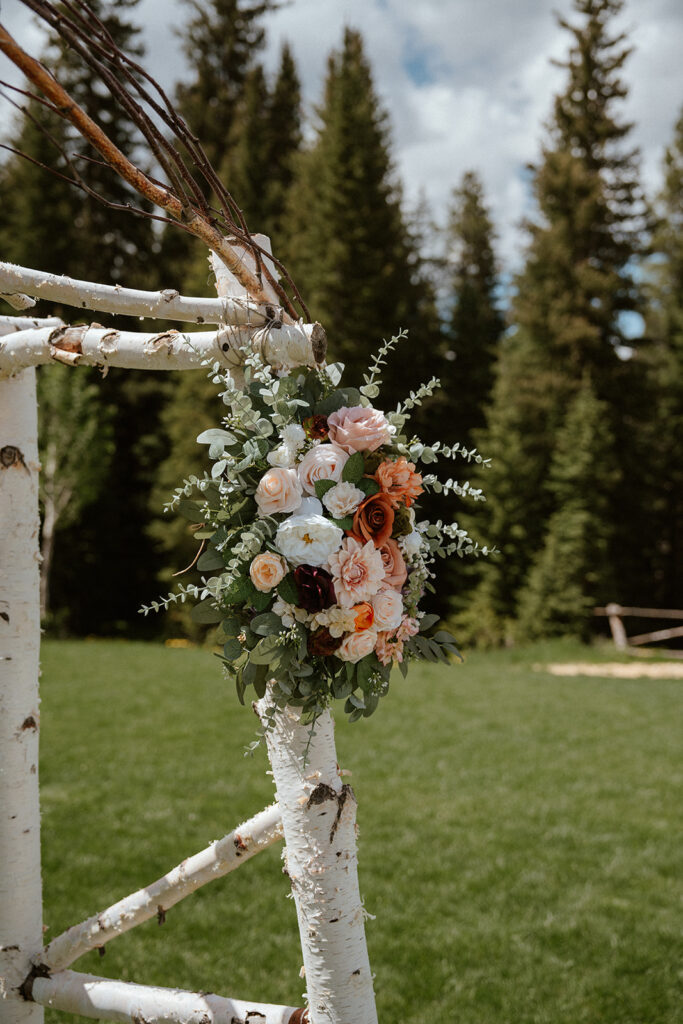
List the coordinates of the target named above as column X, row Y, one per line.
column 319, row 822
column 20, row 882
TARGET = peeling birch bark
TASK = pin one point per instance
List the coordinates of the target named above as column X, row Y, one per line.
column 12, row 324
column 164, row 305
column 282, row 347
column 319, row 821
column 21, row 935
column 229, row 286
column 103, row 999
column 17, row 300
column 154, row 900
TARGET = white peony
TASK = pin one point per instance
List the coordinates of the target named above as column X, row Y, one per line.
column 343, row 499
column 308, row 539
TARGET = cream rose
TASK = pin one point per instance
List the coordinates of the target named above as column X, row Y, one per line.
column 358, row 429
column 279, row 490
column 388, row 606
column 357, row 645
column 266, row 571
column 323, row 462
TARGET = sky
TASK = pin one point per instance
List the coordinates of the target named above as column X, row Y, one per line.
column 467, row 84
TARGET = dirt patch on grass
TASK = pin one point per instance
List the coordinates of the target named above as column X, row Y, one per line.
column 616, row 669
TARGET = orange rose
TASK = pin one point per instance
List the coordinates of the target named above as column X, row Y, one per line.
column 399, row 480
column 374, row 519
column 365, row 616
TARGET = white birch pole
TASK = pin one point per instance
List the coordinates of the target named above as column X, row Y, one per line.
column 20, row 882
column 216, row 860
column 319, row 821
column 104, row 999
column 285, row 346
column 167, row 304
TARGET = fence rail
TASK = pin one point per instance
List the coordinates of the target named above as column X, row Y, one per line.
column 616, row 612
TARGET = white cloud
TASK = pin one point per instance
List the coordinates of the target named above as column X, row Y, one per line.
column 466, row 84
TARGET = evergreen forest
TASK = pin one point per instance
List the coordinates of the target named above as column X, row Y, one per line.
column 581, row 421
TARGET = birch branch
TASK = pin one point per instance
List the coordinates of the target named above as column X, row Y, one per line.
column 164, row 198
column 12, row 324
column 104, row 999
column 281, row 347
column 319, row 822
column 165, row 305
column 215, row 861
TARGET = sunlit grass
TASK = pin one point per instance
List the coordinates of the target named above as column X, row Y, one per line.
column 518, row 843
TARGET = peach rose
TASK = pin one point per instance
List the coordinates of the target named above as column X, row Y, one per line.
column 357, row 645
column 365, row 616
column 324, row 462
column 357, row 570
column 399, row 480
column 266, row 571
column 395, row 571
column 279, row 490
column 358, row 429
column 388, row 606
column 374, row 519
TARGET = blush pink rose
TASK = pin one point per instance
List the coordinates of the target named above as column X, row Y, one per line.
column 357, row 570
column 266, row 571
column 395, row 571
column 324, row 462
column 358, row 429
column 388, row 606
column 279, row 490
column 357, row 645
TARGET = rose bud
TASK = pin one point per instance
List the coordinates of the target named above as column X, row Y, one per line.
column 315, row 588
column 322, row 644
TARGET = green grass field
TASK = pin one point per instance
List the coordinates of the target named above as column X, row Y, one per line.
column 519, row 834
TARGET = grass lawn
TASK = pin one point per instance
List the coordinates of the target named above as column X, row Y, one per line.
column 519, row 839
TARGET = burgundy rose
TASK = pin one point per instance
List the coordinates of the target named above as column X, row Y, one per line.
column 316, row 428
column 315, row 588
column 322, row 644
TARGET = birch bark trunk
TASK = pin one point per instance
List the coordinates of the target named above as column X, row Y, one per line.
column 20, row 882
column 319, row 822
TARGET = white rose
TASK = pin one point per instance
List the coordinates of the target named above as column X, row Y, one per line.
column 283, row 457
column 308, row 539
column 343, row 499
column 293, row 436
column 324, row 462
column 388, row 607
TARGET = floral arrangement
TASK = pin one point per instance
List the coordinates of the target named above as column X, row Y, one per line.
column 315, row 559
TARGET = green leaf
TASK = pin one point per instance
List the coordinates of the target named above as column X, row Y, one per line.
column 357, row 701
column 425, row 648
column 263, row 653
column 323, row 486
column 216, row 436
column 261, row 681
column 365, row 668
column 206, row 612
column 354, row 468
column 442, row 636
column 427, row 622
column 341, row 688
column 287, row 589
column 231, row 626
column 191, row 510
column 344, row 524
column 368, row 486
column 232, row 649
column 403, row 668
column 211, row 559
column 260, row 601
column 266, row 624
column 371, row 702
column 342, row 396
column 355, row 715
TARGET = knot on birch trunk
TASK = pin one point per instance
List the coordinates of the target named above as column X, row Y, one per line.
column 324, row 792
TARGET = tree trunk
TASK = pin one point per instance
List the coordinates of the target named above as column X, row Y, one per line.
column 20, row 884
column 319, row 821
column 46, row 549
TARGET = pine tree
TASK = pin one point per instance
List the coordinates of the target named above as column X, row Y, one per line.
column 348, row 246
column 571, row 572
column 474, row 323
column 663, row 433
column 570, row 299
